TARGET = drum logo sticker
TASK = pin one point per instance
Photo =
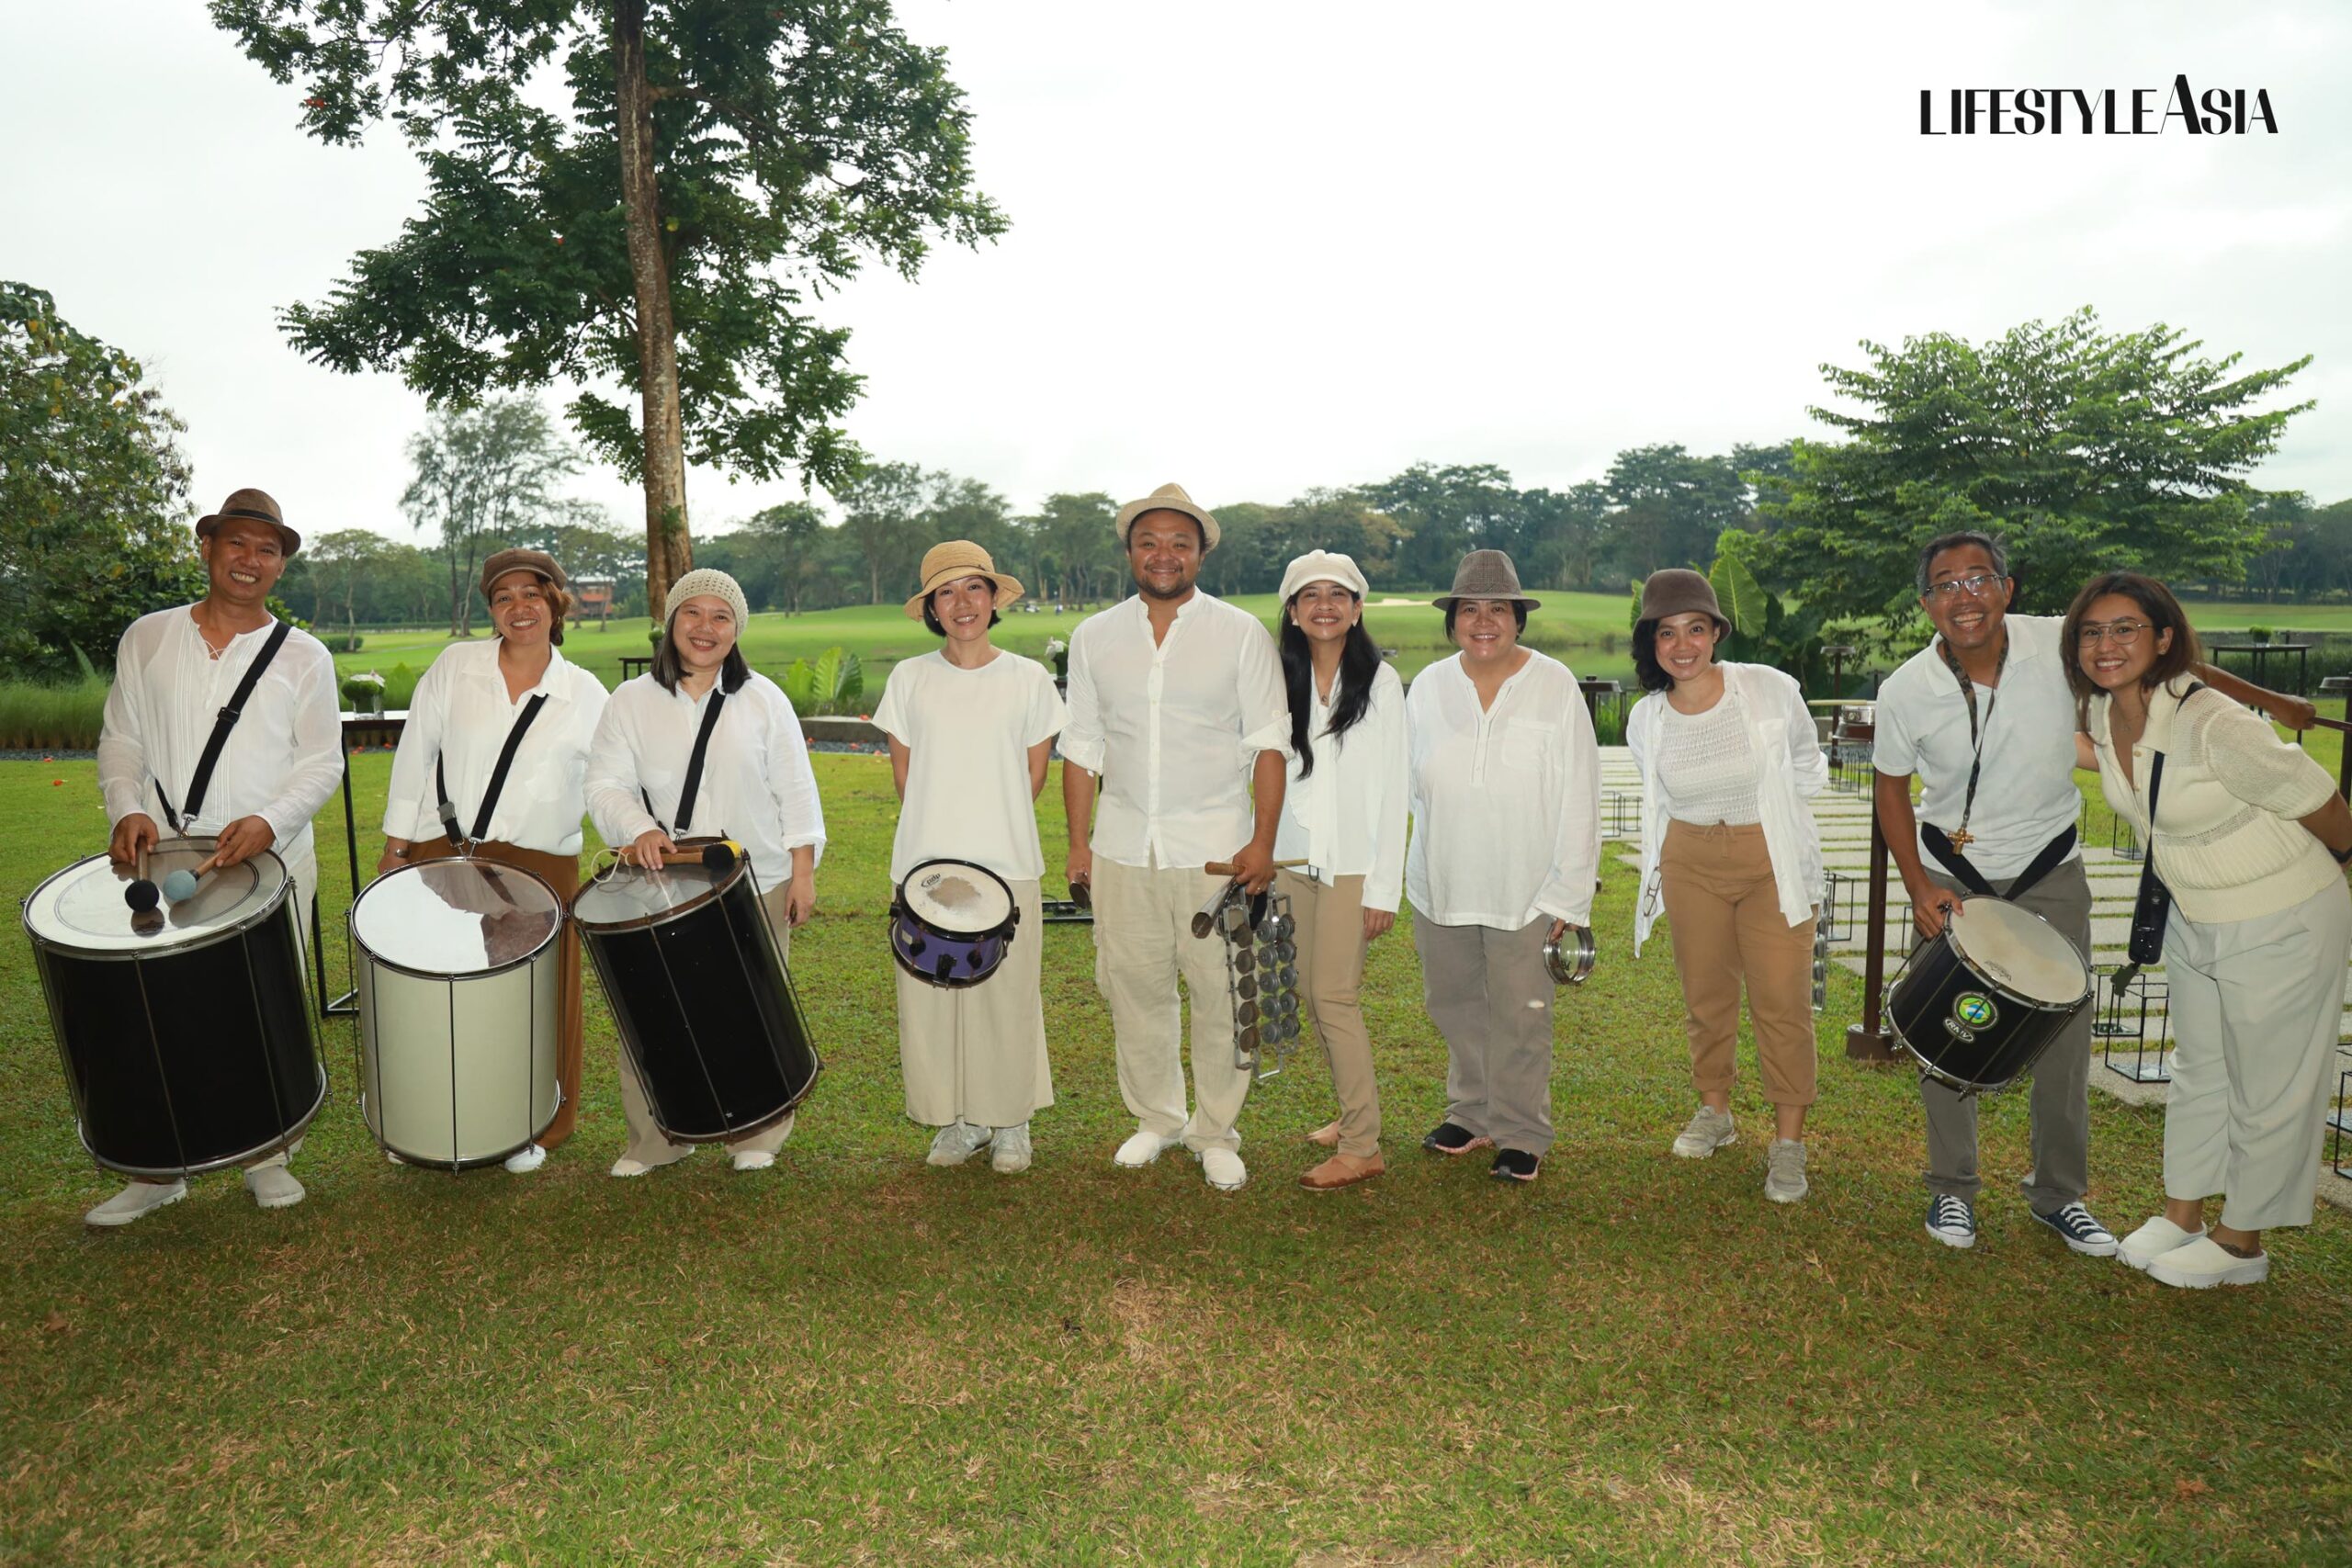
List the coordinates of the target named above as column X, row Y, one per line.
column 1971, row 1010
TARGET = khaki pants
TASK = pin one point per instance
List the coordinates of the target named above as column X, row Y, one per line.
column 1143, row 941
column 647, row 1142
column 1724, row 907
column 1490, row 995
column 1330, row 970
column 2256, row 1008
column 2061, row 1105
column 561, row 873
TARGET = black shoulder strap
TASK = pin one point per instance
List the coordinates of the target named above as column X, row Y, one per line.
column 694, row 764
column 2157, row 785
column 223, row 722
column 497, row 780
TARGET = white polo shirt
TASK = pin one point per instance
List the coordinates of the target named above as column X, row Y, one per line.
column 461, row 714
column 2025, row 794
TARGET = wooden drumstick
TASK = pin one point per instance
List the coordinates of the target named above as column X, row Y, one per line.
column 1225, row 868
column 717, row 857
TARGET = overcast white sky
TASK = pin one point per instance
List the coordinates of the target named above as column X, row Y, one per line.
column 1262, row 246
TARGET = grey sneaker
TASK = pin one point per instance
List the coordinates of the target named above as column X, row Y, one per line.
column 956, row 1142
column 1709, row 1130
column 1784, row 1180
column 1009, row 1151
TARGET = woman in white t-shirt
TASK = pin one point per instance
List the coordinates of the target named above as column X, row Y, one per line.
column 970, row 729
column 1726, row 754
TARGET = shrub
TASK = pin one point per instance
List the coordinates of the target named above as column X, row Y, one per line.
column 63, row 717
column 835, row 684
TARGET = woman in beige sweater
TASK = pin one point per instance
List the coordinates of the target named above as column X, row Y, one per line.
column 2252, row 839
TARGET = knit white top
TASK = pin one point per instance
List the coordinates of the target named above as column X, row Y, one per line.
column 2229, row 841
column 1708, row 765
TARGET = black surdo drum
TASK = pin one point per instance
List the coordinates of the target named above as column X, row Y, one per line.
column 185, row 1031
column 700, row 995
column 1978, row 1004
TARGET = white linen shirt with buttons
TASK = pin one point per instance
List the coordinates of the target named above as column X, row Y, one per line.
column 1506, row 801
column 282, row 760
column 1174, row 729
column 1347, row 817
column 757, row 786
column 461, row 714
column 2025, row 795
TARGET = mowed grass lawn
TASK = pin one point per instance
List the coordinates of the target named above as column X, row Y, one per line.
column 856, row 1358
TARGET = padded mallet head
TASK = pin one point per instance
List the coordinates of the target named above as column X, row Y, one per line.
column 718, row 857
column 141, row 895
column 180, row 885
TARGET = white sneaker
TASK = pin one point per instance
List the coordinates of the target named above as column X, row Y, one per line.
column 753, row 1160
column 138, row 1198
column 273, row 1187
column 956, row 1143
column 1709, row 1130
column 1009, row 1150
column 1223, row 1169
column 1141, row 1150
column 2206, row 1262
column 625, row 1167
column 2151, row 1241
column 526, row 1159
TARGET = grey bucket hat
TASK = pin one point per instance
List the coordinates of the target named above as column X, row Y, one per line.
column 1485, row 574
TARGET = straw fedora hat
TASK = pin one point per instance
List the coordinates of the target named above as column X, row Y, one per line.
column 955, row 559
column 1169, row 498
column 1485, row 574
column 252, row 506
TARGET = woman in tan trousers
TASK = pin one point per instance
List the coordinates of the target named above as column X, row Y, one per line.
column 1344, row 816
column 1727, row 754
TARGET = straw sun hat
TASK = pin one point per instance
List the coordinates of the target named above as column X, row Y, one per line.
column 953, row 561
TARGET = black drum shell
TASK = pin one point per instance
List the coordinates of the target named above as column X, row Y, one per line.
column 1923, row 1002
column 212, row 1038
column 704, row 1006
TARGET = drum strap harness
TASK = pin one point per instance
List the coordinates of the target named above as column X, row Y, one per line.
column 225, row 721
column 497, row 780
column 1947, row 848
column 694, row 768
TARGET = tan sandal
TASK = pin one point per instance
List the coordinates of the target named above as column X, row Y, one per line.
column 1342, row 1170
column 1326, row 1134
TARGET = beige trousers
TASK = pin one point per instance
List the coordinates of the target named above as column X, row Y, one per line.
column 977, row 1053
column 1143, row 941
column 1724, row 908
column 1330, row 971
column 647, row 1142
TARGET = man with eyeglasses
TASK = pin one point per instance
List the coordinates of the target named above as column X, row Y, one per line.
column 1984, row 716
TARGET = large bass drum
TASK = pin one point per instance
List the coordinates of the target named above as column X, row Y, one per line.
column 458, row 1009
column 1978, row 1004
column 700, row 994
column 186, row 1036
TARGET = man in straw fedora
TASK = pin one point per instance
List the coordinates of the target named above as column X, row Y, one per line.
column 176, row 671
column 1176, row 707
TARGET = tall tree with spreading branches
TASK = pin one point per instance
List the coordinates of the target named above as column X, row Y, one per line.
column 714, row 168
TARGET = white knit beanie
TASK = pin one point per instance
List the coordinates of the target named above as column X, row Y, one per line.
column 710, row 581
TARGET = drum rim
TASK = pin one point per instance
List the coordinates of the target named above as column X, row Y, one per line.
column 285, row 1140
column 741, row 870
column 2005, row 992
column 359, row 944
column 135, row 954
column 1012, row 905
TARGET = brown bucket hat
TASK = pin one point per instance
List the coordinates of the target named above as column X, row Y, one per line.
column 504, row 562
column 252, row 506
column 1169, row 498
column 1485, row 574
column 1679, row 591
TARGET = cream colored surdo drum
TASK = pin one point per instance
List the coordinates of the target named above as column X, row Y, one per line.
column 458, row 1009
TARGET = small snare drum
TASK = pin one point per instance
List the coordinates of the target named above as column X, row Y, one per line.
column 1978, row 1004
column 952, row 922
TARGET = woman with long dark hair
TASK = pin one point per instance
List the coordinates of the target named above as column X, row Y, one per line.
column 2252, row 839
column 1343, row 814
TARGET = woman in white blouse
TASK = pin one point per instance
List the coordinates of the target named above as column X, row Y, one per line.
column 1343, row 815
column 971, row 727
column 1506, row 801
column 2252, row 839
column 756, row 788
column 1727, row 753
column 475, row 695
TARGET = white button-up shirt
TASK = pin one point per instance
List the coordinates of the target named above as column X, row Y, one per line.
column 1506, row 799
column 460, row 714
column 281, row 762
column 757, row 787
column 1347, row 817
column 1173, row 728
column 2025, row 794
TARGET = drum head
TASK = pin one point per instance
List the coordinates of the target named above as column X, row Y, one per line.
column 630, row 896
column 82, row 907
column 2020, row 951
column 456, row 916
column 956, row 896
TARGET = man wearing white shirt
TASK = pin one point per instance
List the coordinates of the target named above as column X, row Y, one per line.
column 174, row 671
column 1176, row 704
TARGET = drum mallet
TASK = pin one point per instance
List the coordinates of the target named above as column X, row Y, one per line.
column 717, row 857
column 1224, row 867
column 180, row 886
column 144, row 897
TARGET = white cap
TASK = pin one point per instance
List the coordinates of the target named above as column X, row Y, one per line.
column 1321, row 566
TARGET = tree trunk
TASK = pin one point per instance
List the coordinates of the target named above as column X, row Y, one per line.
column 669, row 552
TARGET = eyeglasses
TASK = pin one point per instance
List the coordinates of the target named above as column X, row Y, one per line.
column 2123, row 633
column 1973, row 585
